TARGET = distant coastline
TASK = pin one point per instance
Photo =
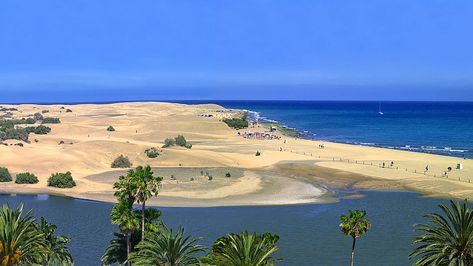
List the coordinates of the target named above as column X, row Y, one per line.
column 291, row 127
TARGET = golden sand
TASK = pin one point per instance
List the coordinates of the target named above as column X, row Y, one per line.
column 299, row 173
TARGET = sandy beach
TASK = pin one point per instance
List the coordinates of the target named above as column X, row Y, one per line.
column 289, row 170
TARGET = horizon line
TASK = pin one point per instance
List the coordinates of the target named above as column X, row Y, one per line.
column 228, row 100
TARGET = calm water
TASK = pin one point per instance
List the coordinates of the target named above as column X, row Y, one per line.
column 309, row 233
column 436, row 127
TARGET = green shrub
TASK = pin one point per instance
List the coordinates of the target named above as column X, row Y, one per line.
column 258, row 153
column 201, row 172
column 210, row 177
column 14, row 133
column 45, row 111
column 236, row 123
column 192, row 179
column 61, row 142
column 40, row 130
column 228, row 174
column 30, row 120
column 68, row 111
column 51, row 120
column 38, row 116
column 5, row 109
column 180, row 141
column 152, row 153
column 5, row 175
column 110, row 128
column 26, row 178
column 61, row 180
column 121, row 162
column 169, row 142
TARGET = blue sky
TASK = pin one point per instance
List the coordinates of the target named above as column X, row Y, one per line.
column 56, row 50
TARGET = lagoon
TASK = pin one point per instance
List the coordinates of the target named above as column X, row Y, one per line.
column 309, row 233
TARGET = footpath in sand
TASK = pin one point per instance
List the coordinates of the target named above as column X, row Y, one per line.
column 289, row 170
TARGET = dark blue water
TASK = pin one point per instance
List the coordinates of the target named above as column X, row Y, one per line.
column 309, row 233
column 435, row 127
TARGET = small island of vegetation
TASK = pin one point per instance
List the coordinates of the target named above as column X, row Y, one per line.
column 61, row 180
column 180, row 140
column 26, row 178
column 121, row 161
column 237, row 122
column 5, row 175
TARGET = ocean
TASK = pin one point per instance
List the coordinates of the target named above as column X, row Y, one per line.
column 432, row 127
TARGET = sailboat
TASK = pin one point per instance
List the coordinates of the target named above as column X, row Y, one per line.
column 379, row 110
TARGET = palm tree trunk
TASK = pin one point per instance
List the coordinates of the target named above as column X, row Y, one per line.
column 143, row 221
column 353, row 252
column 128, row 247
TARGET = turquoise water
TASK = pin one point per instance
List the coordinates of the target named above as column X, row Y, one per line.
column 309, row 233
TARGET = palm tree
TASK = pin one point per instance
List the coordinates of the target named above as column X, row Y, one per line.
column 58, row 252
column 125, row 188
column 167, row 248
column 20, row 241
column 355, row 225
column 125, row 241
column 138, row 185
column 123, row 216
column 244, row 249
column 448, row 238
column 117, row 249
column 146, row 187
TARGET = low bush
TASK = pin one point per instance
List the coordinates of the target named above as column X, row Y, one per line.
column 180, row 140
column 26, row 178
column 228, row 174
column 258, row 153
column 5, row 175
column 110, row 128
column 51, row 120
column 152, row 153
column 169, row 142
column 61, row 180
column 210, row 177
column 236, row 123
column 38, row 116
column 5, row 109
column 39, row 130
column 121, row 162
column 14, row 133
column 68, row 111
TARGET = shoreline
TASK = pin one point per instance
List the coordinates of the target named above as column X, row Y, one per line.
column 308, row 135
column 289, row 171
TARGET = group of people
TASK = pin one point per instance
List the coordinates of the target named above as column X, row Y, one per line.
column 258, row 135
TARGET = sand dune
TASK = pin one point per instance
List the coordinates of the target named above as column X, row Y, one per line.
column 294, row 175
